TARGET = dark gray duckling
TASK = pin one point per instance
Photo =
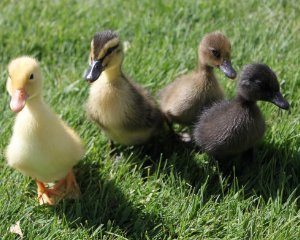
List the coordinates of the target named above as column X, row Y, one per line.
column 230, row 128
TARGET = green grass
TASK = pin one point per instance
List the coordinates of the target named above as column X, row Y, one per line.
column 183, row 196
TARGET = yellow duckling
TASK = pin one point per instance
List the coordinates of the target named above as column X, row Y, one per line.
column 124, row 111
column 42, row 145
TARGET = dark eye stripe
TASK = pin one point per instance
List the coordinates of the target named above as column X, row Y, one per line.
column 109, row 51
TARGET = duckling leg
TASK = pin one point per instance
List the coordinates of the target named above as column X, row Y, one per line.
column 174, row 136
column 72, row 187
column 181, row 137
column 247, row 162
column 112, row 149
column 46, row 195
column 111, row 144
column 68, row 185
column 249, row 155
column 60, row 185
column 185, row 137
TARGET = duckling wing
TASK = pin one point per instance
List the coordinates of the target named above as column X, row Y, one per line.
column 124, row 111
column 227, row 128
column 145, row 112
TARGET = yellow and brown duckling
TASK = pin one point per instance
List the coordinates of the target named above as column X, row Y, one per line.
column 42, row 145
column 183, row 99
column 230, row 128
column 125, row 112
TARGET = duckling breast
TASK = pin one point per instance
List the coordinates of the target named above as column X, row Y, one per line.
column 125, row 112
column 108, row 105
column 42, row 146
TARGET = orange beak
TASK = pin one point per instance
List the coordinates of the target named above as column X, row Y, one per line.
column 18, row 100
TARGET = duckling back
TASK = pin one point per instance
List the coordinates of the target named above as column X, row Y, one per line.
column 183, row 99
column 229, row 128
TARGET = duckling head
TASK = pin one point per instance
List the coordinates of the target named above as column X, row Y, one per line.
column 24, row 81
column 106, row 53
column 259, row 82
column 214, row 51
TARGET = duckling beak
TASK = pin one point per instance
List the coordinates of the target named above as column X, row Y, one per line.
column 279, row 101
column 18, row 100
column 94, row 71
column 227, row 69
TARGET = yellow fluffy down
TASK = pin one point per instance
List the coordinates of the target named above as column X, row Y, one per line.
column 42, row 145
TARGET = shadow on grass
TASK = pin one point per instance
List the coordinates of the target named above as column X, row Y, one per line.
column 103, row 207
column 275, row 173
column 173, row 157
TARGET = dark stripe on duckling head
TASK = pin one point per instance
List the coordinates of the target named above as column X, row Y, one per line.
column 108, row 52
column 101, row 38
column 97, row 66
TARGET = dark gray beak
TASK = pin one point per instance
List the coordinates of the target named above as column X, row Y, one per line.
column 227, row 69
column 279, row 101
column 94, row 71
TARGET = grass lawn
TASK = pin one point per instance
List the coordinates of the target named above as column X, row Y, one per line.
column 183, row 196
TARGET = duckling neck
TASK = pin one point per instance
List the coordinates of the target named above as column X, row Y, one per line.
column 205, row 69
column 244, row 101
column 35, row 104
column 112, row 74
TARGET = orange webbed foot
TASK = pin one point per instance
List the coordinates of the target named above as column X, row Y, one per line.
column 72, row 187
column 69, row 186
column 46, row 195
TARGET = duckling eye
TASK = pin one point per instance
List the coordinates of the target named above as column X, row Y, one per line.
column 31, row 76
column 110, row 50
column 216, row 53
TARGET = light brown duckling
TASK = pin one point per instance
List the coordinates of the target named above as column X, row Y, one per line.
column 183, row 99
column 125, row 112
